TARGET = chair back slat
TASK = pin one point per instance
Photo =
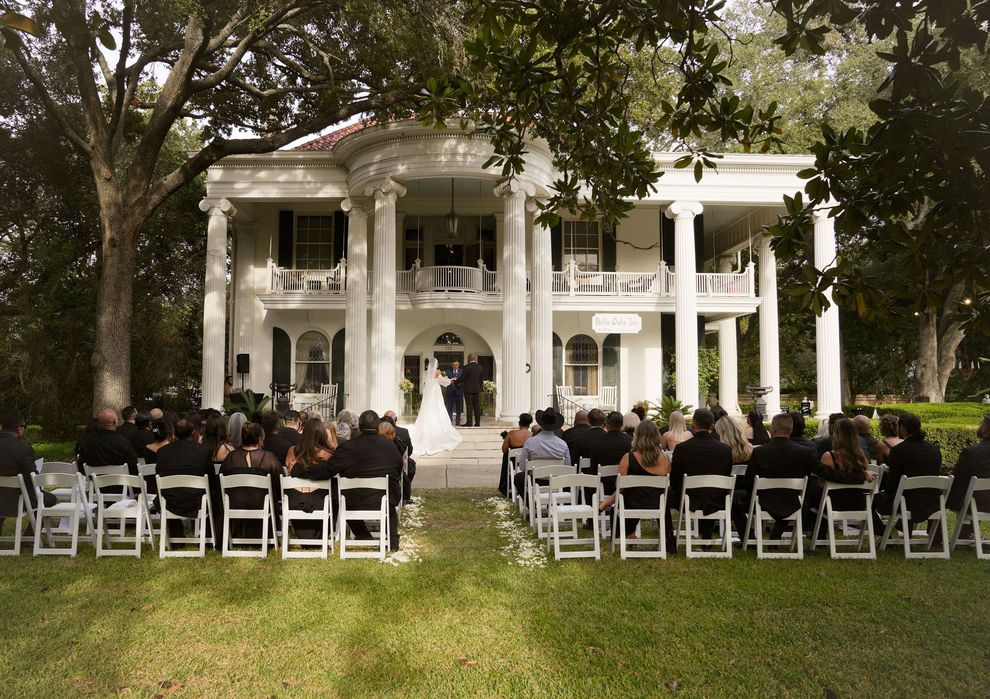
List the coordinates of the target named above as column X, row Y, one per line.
column 608, row 471
column 979, row 484
column 658, row 482
column 118, row 469
column 557, row 469
column 55, row 480
column 379, row 483
column 723, row 482
column 113, row 479
column 245, row 480
column 573, row 480
column 169, row 482
column 58, row 467
column 761, row 483
column 926, row 482
column 290, row 483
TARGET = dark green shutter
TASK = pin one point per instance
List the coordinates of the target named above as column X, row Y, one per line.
column 337, row 364
column 339, row 238
column 667, row 238
column 558, row 367
column 608, row 250
column 286, row 237
column 281, row 356
column 610, row 360
column 699, row 242
column 557, row 246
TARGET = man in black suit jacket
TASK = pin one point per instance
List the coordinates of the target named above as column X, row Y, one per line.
column 273, row 442
column 403, row 441
column 607, row 447
column 973, row 461
column 912, row 457
column 290, row 433
column 573, row 435
column 105, row 447
column 797, row 433
column 187, row 457
column 16, row 456
column 369, row 455
column 702, row 455
column 781, row 457
column 128, row 425
column 471, row 383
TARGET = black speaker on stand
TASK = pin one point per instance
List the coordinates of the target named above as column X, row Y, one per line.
column 243, row 367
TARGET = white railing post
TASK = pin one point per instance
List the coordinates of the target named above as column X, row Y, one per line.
column 342, row 274
column 271, row 275
column 571, row 276
column 663, row 277
column 752, row 278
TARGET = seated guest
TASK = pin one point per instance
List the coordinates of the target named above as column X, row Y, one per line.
column 756, row 431
column 369, row 455
column 250, row 459
column 545, row 445
column 514, row 439
column 127, row 426
column 308, row 459
column 973, row 461
column 677, row 431
column 718, row 412
column 291, row 432
column 640, row 411
column 17, row 457
column 797, row 433
column 185, row 456
column 866, row 440
column 845, row 462
column 347, row 423
column 702, row 455
column 273, row 442
column 912, row 457
column 156, row 414
column 105, row 447
column 162, row 433
column 630, row 421
column 781, row 457
column 889, row 438
column 235, row 426
column 596, row 428
column 403, row 441
column 729, row 433
column 646, row 458
column 142, row 436
column 824, row 444
column 573, row 434
column 215, row 438
column 607, row 449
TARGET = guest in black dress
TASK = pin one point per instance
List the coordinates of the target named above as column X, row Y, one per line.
column 844, row 463
column 513, row 440
column 646, row 458
column 308, row 459
column 250, row 459
column 760, row 435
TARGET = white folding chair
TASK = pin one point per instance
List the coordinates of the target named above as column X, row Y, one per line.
column 110, row 506
column 22, row 508
column 266, row 514
column 539, row 495
column 74, row 509
column 605, row 518
column 689, row 518
column 564, row 504
column 289, row 515
column 513, row 456
column 757, row 517
column 203, row 518
column 379, row 515
column 970, row 513
column 622, row 513
column 59, row 467
column 833, row 517
column 937, row 523
column 583, row 464
column 90, row 491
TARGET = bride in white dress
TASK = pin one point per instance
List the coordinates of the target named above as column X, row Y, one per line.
column 432, row 431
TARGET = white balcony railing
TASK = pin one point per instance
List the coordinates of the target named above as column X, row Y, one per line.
column 480, row 280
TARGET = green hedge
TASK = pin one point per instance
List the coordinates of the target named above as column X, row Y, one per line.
column 954, row 413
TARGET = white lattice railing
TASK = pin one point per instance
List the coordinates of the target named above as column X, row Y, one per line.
column 307, row 281
column 449, row 278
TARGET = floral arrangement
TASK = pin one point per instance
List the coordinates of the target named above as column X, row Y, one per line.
column 488, row 387
column 406, row 386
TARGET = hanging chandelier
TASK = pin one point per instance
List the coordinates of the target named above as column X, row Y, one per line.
column 452, row 216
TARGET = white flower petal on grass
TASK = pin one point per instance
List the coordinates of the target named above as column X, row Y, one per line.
column 520, row 547
column 410, row 521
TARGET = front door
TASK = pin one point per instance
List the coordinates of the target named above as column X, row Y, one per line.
column 445, row 358
column 448, row 255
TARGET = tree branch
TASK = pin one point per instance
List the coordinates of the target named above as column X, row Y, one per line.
column 120, row 75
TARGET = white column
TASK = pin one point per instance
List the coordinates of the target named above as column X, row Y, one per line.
column 827, row 324
column 769, row 330
column 384, row 384
column 685, row 300
column 356, row 313
column 541, row 316
column 244, row 301
column 512, row 372
column 215, row 300
column 728, row 353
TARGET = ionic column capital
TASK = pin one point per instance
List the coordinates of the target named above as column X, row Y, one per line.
column 684, row 209
column 822, row 212
column 514, row 188
column 218, row 207
column 385, row 188
column 355, row 205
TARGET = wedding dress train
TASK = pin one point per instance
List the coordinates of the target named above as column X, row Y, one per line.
column 432, row 431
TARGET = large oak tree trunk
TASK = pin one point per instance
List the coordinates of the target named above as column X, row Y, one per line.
column 939, row 336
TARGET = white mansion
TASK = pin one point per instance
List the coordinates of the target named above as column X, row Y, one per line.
column 361, row 253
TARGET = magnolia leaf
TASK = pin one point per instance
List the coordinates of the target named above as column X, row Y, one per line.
column 22, row 23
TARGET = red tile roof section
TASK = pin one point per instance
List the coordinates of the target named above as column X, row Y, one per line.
column 329, row 140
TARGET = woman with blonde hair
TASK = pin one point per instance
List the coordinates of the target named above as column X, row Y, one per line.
column 888, row 428
column 645, row 458
column 630, row 421
column 677, row 431
column 729, row 433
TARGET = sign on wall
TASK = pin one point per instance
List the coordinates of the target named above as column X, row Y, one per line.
column 607, row 323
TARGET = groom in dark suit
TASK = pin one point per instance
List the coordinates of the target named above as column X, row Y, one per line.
column 455, row 393
column 470, row 383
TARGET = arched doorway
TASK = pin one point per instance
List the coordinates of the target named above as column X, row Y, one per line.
column 447, row 343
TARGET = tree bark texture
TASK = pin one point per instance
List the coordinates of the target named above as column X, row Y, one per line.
column 939, row 336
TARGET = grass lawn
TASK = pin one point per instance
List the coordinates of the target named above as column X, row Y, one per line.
column 464, row 620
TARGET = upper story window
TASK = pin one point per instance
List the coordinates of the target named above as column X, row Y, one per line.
column 582, row 241
column 312, row 362
column 314, row 242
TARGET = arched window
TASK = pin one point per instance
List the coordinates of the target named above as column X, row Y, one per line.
column 312, row 362
column 581, row 365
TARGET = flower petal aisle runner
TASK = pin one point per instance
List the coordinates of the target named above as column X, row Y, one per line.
column 410, row 526
column 520, row 548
